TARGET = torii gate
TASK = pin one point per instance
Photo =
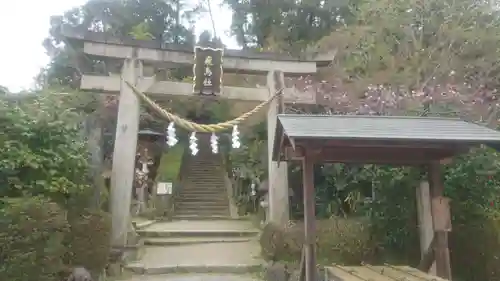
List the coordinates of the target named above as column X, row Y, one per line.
column 133, row 56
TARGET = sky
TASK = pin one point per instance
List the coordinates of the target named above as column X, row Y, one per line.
column 21, row 52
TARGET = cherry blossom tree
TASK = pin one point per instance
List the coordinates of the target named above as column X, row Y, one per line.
column 413, row 57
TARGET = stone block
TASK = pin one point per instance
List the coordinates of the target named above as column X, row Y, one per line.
column 277, row 271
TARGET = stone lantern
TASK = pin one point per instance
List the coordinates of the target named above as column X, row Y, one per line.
column 263, row 191
column 149, row 148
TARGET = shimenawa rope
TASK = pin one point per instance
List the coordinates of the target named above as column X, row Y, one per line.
column 195, row 127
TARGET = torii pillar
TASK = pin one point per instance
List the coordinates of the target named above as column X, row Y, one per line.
column 124, row 153
column 279, row 211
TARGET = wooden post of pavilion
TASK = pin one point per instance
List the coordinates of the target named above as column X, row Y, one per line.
column 441, row 221
column 309, row 251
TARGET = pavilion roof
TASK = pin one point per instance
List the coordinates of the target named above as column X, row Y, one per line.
column 350, row 131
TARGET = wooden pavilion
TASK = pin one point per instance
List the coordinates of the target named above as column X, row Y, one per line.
column 417, row 141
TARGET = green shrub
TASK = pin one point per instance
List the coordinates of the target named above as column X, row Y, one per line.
column 472, row 182
column 89, row 240
column 44, row 227
column 32, row 232
column 42, row 151
column 170, row 164
column 475, row 250
column 338, row 240
column 393, row 215
column 52, row 240
column 273, row 245
column 344, row 241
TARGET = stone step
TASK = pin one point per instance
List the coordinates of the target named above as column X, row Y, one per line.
column 202, row 203
column 212, row 196
column 201, row 199
column 221, row 199
column 197, row 177
column 214, row 168
column 143, row 270
column 200, row 187
column 202, row 213
column 202, row 210
column 237, row 257
column 196, row 225
column 197, row 233
column 203, row 217
column 201, row 207
column 177, row 241
column 194, row 277
column 205, row 182
column 202, row 191
column 200, row 184
column 209, row 176
column 205, row 177
column 141, row 223
column 206, row 194
column 205, row 172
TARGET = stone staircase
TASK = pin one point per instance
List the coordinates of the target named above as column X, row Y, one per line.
column 202, row 242
column 197, row 247
column 203, row 193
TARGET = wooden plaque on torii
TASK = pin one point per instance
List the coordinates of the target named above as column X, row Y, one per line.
column 207, row 71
